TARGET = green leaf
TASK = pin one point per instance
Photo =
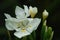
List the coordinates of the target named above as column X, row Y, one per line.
column 51, row 35
column 49, row 32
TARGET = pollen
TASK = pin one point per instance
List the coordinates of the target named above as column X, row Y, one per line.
column 23, row 30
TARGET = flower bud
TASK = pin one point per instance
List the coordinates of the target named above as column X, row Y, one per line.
column 45, row 14
column 33, row 11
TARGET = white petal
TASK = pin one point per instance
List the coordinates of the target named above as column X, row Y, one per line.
column 30, row 19
column 9, row 25
column 21, row 34
column 7, row 15
column 10, row 18
column 19, row 12
column 30, row 28
column 26, row 11
column 33, row 24
column 10, row 22
column 13, row 19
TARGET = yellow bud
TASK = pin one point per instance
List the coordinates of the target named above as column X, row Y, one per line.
column 32, row 11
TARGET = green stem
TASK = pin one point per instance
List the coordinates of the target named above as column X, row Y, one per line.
column 34, row 35
column 9, row 35
column 30, row 37
column 24, row 38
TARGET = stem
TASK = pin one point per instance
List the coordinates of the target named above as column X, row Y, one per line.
column 24, row 38
column 30, row 37
column 34, row 35
column 9, row 35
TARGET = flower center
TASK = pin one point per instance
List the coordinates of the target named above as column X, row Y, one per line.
column 23, row 29
column 22, row 24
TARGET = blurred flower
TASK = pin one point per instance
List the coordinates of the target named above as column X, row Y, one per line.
column 24, row 26
column 45, row 14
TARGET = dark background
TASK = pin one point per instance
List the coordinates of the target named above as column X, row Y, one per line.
column 52, row 6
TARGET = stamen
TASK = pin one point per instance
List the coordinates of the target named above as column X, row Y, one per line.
column 30, row 26
column 23, row 30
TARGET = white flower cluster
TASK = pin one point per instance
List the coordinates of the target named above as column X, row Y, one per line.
column 22, row 24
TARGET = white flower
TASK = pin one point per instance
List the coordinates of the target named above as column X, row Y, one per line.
column 24, row 26
column 28, row 28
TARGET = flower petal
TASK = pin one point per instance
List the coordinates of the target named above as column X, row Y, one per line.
column 36, row 23
column 12, row 23
column 19, row 12
column 30, row 19
column 9, row 25
column 33, row 24
column 26, row 11
column 21, row 34
column 7, row 15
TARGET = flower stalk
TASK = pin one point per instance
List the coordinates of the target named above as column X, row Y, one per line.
column 9, row 35
column 46, row 32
